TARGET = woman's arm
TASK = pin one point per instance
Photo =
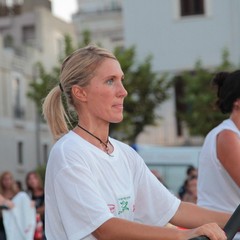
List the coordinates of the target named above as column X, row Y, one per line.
column 6, row 203
column 40, row 210
column 228, row 152
column 202, row 222
column 190, row 215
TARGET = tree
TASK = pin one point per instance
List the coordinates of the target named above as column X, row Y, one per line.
column 146, row 90
column 44, row 81
column 198, row 99
column 39, row 88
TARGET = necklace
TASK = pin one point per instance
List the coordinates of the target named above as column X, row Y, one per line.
column 104, row 144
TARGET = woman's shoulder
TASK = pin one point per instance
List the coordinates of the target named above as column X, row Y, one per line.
column 227, row 129
column 121, row 144
column 127, row 152
column 224, row 125
column 67, row 142
column 124, row 147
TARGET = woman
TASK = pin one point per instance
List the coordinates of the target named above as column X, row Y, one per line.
column 190, row 194
column 18, row 215
column 97, row 187
column 219, row 162
column 8, row 191
column 36, row 191
column 5, row 204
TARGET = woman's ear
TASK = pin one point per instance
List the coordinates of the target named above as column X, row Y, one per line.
column 79, row 93
column 236, row 104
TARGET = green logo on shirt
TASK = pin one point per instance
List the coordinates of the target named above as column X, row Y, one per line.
column 123, row 204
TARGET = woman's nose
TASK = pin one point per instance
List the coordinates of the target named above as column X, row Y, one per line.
column 122, row 91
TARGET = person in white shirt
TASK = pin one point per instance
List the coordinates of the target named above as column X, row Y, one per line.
column 219, row 160
column 18, row 216
column 97, row 187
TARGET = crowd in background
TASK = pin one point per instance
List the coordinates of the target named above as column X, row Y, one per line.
column 21, row 209
column 34, row 196
column 188, row 191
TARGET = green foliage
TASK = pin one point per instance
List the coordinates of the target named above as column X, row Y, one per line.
column 69, row 48
column 41, row 85
column 86, row 38
column 199, row 97
column 41, row 170
column 43, row 81
column 146, row 91
column 8, row 41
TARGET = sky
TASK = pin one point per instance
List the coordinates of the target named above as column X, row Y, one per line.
column 64, row 8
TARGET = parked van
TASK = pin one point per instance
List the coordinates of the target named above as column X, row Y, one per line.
column 170, row 162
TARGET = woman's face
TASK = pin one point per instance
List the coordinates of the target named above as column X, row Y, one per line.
column 32, row 181
column 7, row 181
column 105, row 93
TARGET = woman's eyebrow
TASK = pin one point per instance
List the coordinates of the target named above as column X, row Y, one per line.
column 113, row 76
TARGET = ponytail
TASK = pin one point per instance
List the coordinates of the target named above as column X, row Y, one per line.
column 55, row 114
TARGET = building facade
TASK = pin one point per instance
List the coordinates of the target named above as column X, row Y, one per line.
column 177, row 33
column 102, row 19
column 30, row 35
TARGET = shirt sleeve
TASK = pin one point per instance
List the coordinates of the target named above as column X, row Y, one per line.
column 155, row 204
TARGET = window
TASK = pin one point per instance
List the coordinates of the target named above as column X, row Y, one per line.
column 18, row 110
column 192, row 7
column 20, row 152
column 8, row 41
column 28, row 35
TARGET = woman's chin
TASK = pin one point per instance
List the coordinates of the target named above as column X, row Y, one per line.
column 117, row 120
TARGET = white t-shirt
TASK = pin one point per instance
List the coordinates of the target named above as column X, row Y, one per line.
column 84, row 187
column 216, row 189
column 20, row 221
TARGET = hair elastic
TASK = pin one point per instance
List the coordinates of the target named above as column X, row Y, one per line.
column 60, row 85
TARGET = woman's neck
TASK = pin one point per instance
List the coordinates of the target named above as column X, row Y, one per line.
column 37, row 192
column 100, row 139
column 9, row 194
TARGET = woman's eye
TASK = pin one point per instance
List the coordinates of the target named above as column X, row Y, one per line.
column 110, row 81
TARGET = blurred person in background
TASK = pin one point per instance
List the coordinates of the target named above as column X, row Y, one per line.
column 190, row 186
column 219, row 160
column 190, row 172
column 35, row 190
column 5, row 204
column 157, row 174
column 19, row 186
column 19, row 217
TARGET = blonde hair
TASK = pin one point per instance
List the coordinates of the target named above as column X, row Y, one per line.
column 2, row 187
column 77, row 69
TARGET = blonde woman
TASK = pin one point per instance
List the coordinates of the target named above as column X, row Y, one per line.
column 97, row 187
